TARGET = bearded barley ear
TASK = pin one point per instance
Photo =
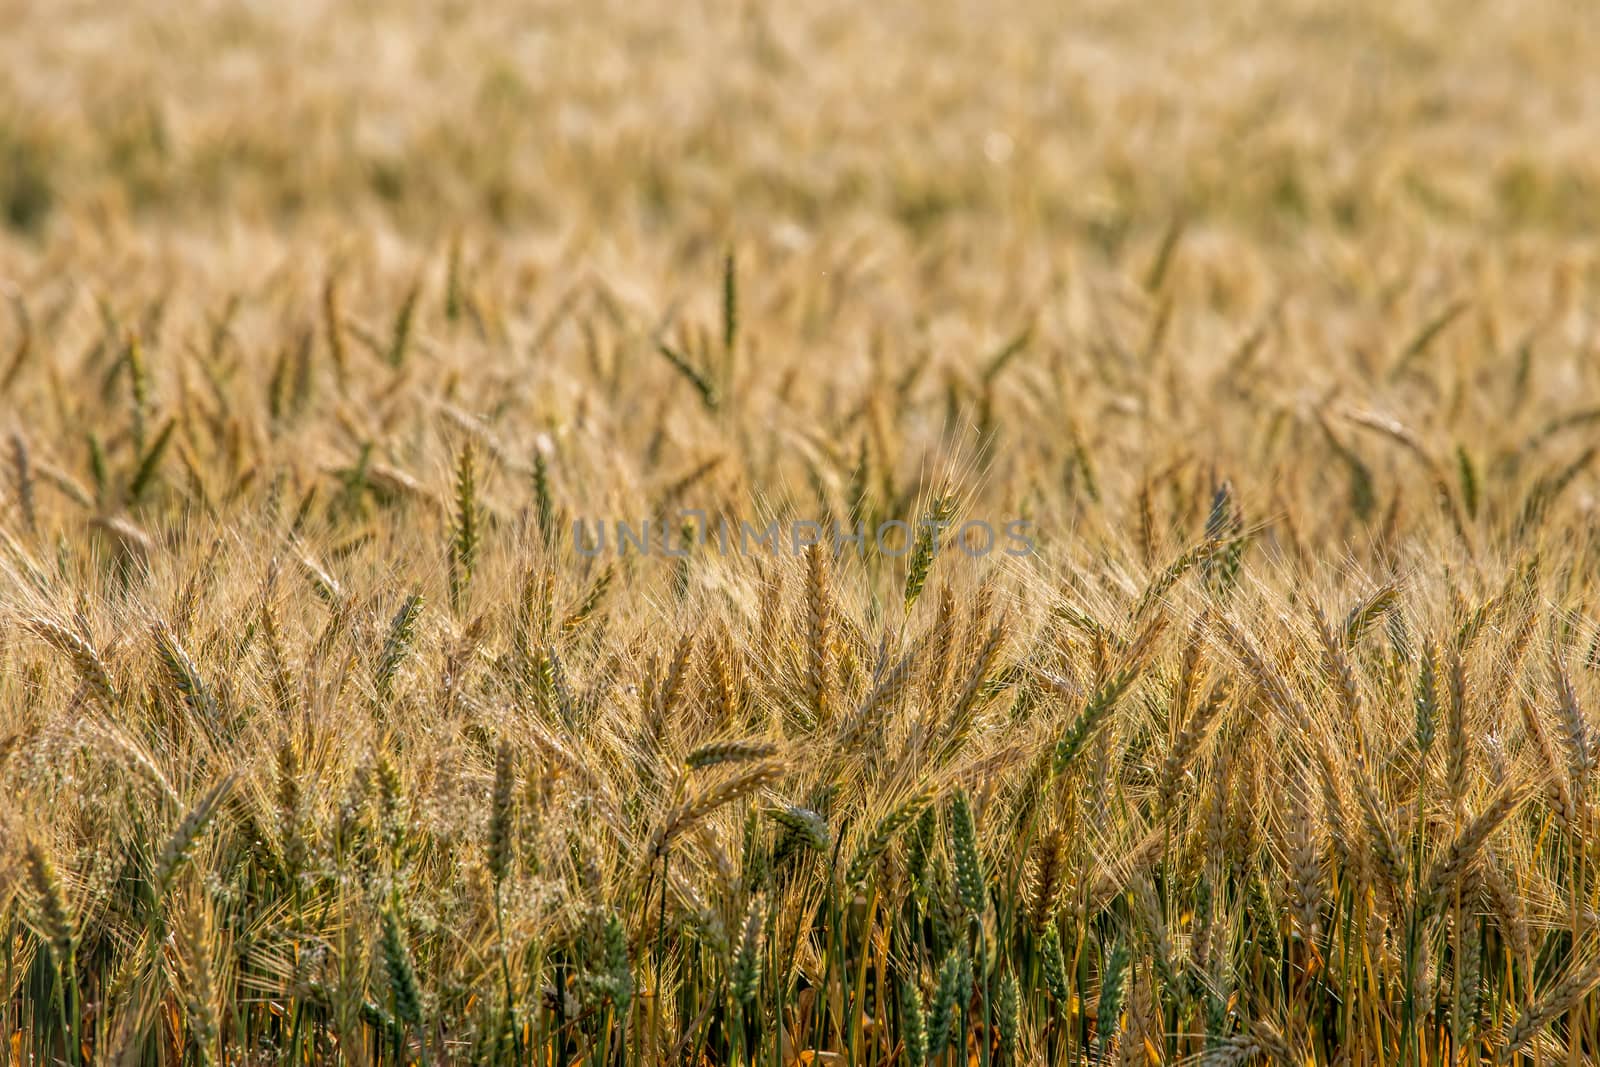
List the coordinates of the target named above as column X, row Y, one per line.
column 970, row 881
column 1112, row 979
column 183, row 675
column 1466, row 1013
column 730, row 301
column 1574, row 731
column 1468, row 475
column 877, row 842
column 543, row 505
column 54, row 914
column 22, row 482
column 1186, row 746
column 566, row 702
column 1008, row 1012
column 883, row 696
column 1225, row 530
column 1094, row 715
column 1557, row 784
column 333, row 328
column 618, row 968
column 1301, row 855
column 926, row 546
column 404, row 319
column 502, row 813
column 747, row 965
column 138, row 387
column 801, row 826
column 1385, row 853
column 290, row 814
column 672, row 685
column 703, row 385
column 405, row 995
column 592, row 599
column 819, row 634
column 92, row 670
column 97, row 466
column 1054, row 967
column 397, row 643
column 277, row 665
column 701, row 806
column 919, row 849
column 1507, row 905
column 193, row 938
column 947, row 1001
column 1163, row 582
column 1548, row 489
column 392, row 818
column 1369, row 611
column 982, row 659
column 464, row 532
column 721, row 752
column 1456, row 727
column 55, row 918
column 181, row 843
column 1337, row 664
column 1049, row 871
column 1147, row 907
column 913, row 1026
column 1427, row 701
column 1464, row 850
column 150, row 462
column 1572, row 988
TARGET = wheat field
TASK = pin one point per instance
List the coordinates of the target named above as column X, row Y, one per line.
column 1171, row 630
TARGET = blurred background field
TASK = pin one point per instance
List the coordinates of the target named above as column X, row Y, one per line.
column 321, row 323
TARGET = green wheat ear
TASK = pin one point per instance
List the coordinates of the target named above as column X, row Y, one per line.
column 947, row 1001
column 400, row 340
column 464, row 532
column 913, row 1026
column 926, row 547
column 969, row 864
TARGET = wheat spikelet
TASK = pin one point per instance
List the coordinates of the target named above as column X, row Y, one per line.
column 399, row 969
column 926, row 545
column 92, row 670
column 1456, row 727
column 873, row 846
column 193, row 935
column 1186, row 746
column 1304, row 864
column 804, row 825
column 747, row 965
column 180, row 843
column 502, row 812
column 1461, row 853
column 970, row 878
column 593, row 597
column 54, row 913
column 819, row 634
column 182, row 674
column 878, row 701
column 1557, row 785
column 1338, row 666
column 947, row 1002
column 1047, row 880
column 1509, row 912
column 397, row 642
column 702, row 805
column 1574, row 731
column 720, row 752
column 1574, row 985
